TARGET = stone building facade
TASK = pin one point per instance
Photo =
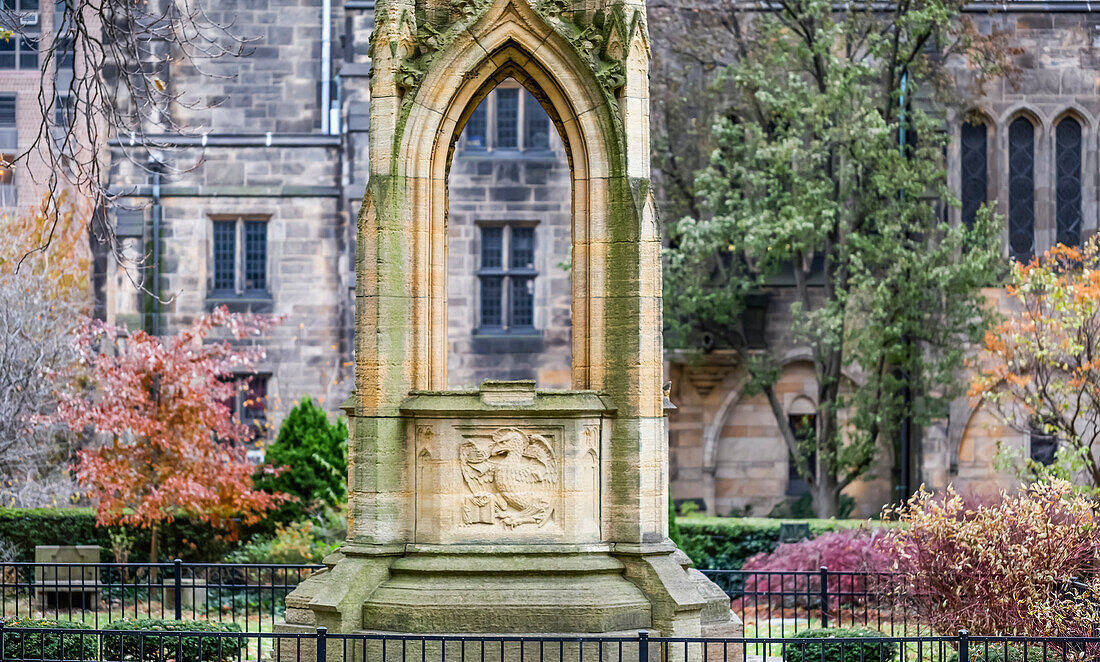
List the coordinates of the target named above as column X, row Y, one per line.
column 1026, row 146
column 256, row 209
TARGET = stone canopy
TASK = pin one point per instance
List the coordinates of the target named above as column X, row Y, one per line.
column 522, row 510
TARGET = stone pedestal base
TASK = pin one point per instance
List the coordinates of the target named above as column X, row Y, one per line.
column 544, row 590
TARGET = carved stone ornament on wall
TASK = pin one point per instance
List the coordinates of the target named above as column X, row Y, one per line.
column 513, row 481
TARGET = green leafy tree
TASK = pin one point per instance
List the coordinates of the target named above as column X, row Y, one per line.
column 313, row 454
column 825, row 169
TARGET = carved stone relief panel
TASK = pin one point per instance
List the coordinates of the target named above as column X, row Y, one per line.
column 507, row 481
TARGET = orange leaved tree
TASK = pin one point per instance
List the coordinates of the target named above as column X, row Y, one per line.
column 1041, row 372
column 170, row 443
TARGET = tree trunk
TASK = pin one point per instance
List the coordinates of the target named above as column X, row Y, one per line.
column 153, row 531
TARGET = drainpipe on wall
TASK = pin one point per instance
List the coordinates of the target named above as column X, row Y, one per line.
column 326, row 65
column 906, row 392
column 155, row 322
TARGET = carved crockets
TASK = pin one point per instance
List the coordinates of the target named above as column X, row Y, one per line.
column 414, row 37
column 515, row 482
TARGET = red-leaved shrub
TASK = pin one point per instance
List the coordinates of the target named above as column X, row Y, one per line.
column 1002, row 569
column 848, row 555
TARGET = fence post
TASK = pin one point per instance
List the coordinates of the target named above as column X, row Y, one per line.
column 964, row 646
column 643, row 645
column 825, row 597
column 322, row 644
column 2, row 637
column 177, row 598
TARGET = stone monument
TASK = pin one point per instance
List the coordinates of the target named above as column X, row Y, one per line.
column 508, row 509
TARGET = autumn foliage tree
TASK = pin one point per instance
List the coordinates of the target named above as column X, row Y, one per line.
column 44, row 295
column 1042, row 360
column 171, row 444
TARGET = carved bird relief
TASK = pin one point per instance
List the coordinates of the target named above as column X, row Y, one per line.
column 514, row 483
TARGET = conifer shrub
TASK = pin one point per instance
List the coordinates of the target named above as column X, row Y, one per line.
column 312, row 453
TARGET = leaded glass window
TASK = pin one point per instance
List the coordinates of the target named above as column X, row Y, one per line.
column 507, row 277
column 240, row 255
column 1067, row 138
column 507, row 118
column 536, row 133
column 255, row 255
column 1021, row 190
column 523, row 302
column 225, row 255
column 492, row 309
column 975, row 170
column 475, row 131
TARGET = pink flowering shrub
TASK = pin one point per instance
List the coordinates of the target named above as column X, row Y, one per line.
column 848, row 555
column 1024, row 565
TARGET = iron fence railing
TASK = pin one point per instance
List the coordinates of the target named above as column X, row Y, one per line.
column 105, row 645
column 782, row 603
column 770, row 603
column 98, row 593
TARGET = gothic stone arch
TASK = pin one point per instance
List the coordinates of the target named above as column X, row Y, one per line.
column 587, row 62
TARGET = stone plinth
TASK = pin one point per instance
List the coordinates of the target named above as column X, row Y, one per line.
column 510, row 532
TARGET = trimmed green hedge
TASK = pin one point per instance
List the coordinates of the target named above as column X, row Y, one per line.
column 185, row 539
column 48, row 645
column 834, row 650
column 1005, row 653
column 172, row 646
column 725, row 543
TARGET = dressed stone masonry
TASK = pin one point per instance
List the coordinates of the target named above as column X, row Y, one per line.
column 507, row 509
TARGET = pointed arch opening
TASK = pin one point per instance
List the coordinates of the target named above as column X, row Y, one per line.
column 974, row 165
column 540, row 66
column 1068, row 148
column 1021, row 189
column 509, row 236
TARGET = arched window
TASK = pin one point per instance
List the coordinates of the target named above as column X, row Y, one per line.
column 975, row 169
column 1021, row 189
column 1068, row 184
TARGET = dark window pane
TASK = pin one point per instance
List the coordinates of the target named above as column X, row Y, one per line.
column 255, row 255
column 253, row 398
column 225, row 250
column 28, row 5
column 523, row 248
column 522, row 296
column 492, row 307
column 28, row 53
column 537, row 124
column 64, row 52
column 1021, row 190
column 63, row 111
column 7, row 53
column 475, row 129
column 1068, row 165
column 7, row 110
column 804, row 427
column 1043, row 448
column 7, row 172
column 492, row 248
column 975, row 171
column 507, row 118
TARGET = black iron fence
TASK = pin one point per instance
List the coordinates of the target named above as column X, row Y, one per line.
column 770, row 603
column 105, row 645
column 782, row 603
column 98, row 593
